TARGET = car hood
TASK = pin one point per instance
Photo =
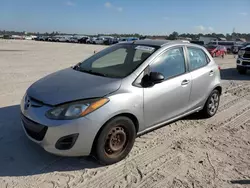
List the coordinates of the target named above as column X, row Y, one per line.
column 246, row 48
column 71, row 85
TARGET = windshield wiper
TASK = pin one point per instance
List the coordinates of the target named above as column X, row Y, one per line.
column 94, row 73
column 78, row 68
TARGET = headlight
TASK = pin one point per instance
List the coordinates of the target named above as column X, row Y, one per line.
column 241, row 52
column 76, row 109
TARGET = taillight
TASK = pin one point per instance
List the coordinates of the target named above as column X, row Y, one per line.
column 219, row 68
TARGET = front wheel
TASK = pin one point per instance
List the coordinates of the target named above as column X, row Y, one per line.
column 115, row 140
column 212, row 104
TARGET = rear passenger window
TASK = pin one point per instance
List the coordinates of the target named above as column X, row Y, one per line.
column 171, row 63
column 197, row 58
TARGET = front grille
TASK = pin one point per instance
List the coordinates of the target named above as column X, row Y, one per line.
column 33, row 129
column 246, row 55
column 245, row 63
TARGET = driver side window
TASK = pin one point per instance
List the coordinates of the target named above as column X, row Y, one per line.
column 170, row 64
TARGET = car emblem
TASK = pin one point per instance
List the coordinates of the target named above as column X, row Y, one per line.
column 27, row 103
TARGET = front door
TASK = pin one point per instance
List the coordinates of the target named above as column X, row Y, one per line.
column 169, row 98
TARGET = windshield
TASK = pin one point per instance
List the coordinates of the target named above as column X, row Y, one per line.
column 117, row 61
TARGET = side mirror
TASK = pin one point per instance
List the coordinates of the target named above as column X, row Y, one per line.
column 152, row 79
column 156, row 77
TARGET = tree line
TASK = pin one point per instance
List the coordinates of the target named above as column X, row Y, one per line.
column 172, row 36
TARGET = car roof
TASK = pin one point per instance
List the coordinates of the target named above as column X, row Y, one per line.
column 158, row 43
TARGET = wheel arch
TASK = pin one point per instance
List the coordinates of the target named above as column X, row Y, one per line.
column 219, row 88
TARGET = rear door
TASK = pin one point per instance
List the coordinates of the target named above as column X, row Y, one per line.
column 169, row 98
column 202, row 74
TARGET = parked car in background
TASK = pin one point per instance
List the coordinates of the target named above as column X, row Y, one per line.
column 110, row 40
column 100, row 105
column 243, row 60
column 42, row 38
column 62, row 38
column 197, row 42
column 216, row 51
column 65, row 38
column 99, row 40
column 50, row 39
column 76, row 38
column 227, row 44
column 238, row 46
column 38, row 38
column 91, row 40
column 126, row 39
column 56, row 38
column 123, row 39
column 73, row 39
column 83, row 39
column 30, row 37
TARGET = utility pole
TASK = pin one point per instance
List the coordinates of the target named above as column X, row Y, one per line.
column 233, row 34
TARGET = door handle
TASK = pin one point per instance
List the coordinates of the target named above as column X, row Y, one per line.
column 211, row 73
column 185, row 82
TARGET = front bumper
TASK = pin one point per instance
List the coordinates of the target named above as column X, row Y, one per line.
column 243, row 63
column 48, row 137
column 47, row 132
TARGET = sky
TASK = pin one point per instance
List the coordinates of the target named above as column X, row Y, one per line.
column 154, row 17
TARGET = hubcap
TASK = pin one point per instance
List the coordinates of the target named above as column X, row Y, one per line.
column 115, row 141
column 213, row 103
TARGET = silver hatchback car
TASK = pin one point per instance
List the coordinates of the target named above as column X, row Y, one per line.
column 100, row 105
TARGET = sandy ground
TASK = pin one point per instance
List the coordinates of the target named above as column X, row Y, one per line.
column 191, row 152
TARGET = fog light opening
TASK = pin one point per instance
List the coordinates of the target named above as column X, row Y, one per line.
column 66, row 142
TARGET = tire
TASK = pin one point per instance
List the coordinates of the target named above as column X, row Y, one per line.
column 107, row 149
column 207, row 111
column 242, row 70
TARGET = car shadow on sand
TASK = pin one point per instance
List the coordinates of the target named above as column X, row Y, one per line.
column 232, row 74
column 240, row 182
column 21, row 157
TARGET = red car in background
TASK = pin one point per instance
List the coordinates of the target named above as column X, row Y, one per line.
column 217, row 51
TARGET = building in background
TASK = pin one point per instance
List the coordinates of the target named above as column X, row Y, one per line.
column 206, row 40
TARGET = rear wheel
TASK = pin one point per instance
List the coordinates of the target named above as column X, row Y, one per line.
column 212, row 104
column 115, row 140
